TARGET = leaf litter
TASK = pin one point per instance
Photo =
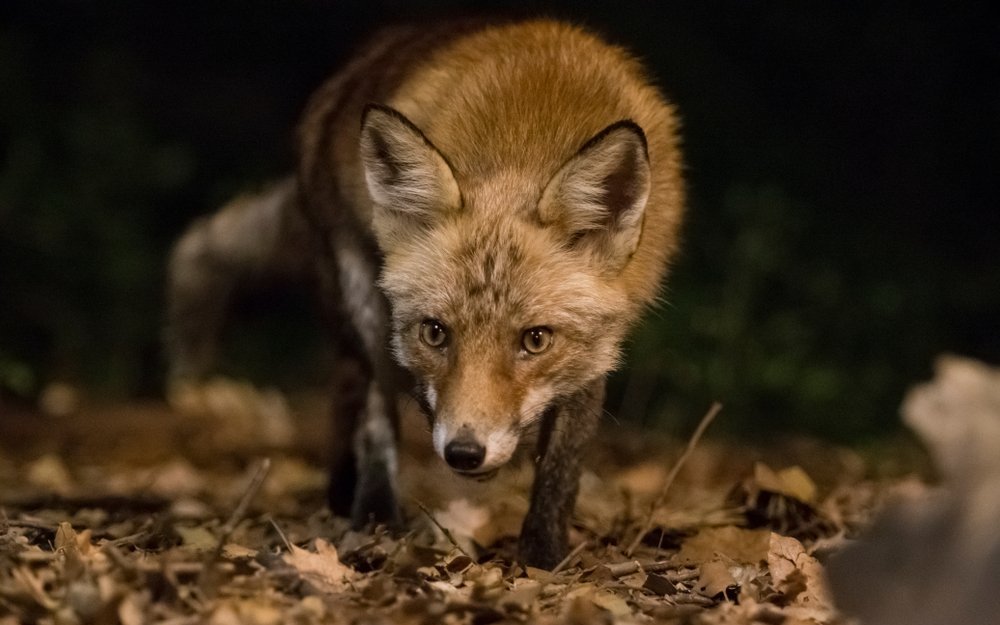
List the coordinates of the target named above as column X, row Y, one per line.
column 139, row 513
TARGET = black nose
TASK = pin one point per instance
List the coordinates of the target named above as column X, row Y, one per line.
column 464, row 454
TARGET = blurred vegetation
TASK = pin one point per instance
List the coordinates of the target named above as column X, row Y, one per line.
column 841, row 161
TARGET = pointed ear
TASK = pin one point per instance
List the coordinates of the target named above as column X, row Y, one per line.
column 598, row 198
column 409, row 180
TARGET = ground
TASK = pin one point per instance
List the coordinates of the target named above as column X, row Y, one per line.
column 136, row 513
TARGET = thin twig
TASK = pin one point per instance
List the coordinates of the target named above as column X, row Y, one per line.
column 444, row 530
column 260, row 473
column 569, row 557
column 628, row 567
column 281, row 534
column 128, row 540
column 241, row 508
column 692, row 443
column 31, row 524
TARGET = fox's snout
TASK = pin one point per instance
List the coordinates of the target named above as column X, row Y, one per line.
column 471, row 453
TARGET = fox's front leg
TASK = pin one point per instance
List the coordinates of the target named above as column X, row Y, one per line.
column 566, row 430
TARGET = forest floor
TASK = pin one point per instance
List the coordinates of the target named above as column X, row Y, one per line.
column 137, row 513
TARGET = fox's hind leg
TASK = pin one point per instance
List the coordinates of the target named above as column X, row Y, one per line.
column 375, row 422
column 566, row 430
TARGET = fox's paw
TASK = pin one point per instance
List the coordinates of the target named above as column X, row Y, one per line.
column 242, row 415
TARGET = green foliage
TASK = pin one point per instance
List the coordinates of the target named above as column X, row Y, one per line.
column 759, row 316
column 80, row 188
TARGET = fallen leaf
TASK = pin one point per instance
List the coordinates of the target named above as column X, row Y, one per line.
column 659, row 585
column 799, row 576
column 196, row 538
column 130, row 610
column 322, row 569
column 293, row 475
column 234, row 551
column 611, row 602
column 523, row 592
column 791, row 481
column 715, row 578
column 643, row 480
column 581, row 611
column 737, row 544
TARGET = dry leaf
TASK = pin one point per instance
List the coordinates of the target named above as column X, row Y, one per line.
column 797, row 483
column 581, row 611
column 642, row 480
column 791, row 481
column 196, row 538
column 130, row 610
column 289, row 476
column 524, row 592
column 322, row 569
column 736, row 544
column 233, row 551
column 611, row 602
column 799, row 576
column 659, row 585
column 715, row 578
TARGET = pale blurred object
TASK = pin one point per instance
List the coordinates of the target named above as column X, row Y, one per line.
column 59, row 399
column 50, row 474
column 245, row 416
column 935, row 559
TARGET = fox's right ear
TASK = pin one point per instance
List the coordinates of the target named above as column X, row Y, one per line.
column 409, row 180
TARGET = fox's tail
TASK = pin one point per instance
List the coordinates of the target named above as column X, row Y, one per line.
column 251, row 238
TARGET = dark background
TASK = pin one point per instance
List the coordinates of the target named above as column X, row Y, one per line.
column 841, row 158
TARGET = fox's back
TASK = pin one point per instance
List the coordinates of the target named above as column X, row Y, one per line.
column 507, row 105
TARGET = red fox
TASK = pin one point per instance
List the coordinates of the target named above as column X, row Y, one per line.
column 487, row 210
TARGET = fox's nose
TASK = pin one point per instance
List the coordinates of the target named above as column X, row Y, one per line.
column 464, row 454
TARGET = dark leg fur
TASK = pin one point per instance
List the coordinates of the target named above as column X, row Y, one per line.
column 349, row 384
column 375, row 498
column 375, row 422
column 565, row 433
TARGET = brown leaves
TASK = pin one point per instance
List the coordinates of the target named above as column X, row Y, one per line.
column 205, row 537
column 321, row 569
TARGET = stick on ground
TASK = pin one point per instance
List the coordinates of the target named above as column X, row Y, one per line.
column 702, row 426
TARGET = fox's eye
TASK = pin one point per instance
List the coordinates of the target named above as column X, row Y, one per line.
column 433, row 333
column 536, row 340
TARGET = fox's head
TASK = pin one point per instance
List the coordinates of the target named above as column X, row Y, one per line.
column 504, row 292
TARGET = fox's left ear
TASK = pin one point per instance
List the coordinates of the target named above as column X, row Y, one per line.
column 598, row 198
column 409, row 180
